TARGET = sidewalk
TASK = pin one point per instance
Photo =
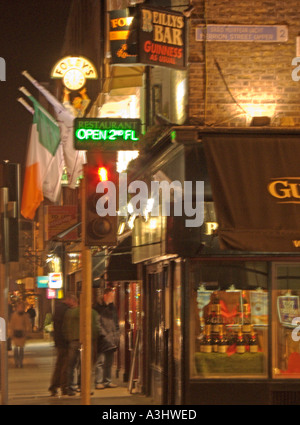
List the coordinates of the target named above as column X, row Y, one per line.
column 29, row 385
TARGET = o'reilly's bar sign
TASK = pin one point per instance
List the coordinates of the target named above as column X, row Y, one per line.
column 162, row 38
column 106, row 133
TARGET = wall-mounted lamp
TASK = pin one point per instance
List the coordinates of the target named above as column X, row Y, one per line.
column 260, row 121
column 187, row 12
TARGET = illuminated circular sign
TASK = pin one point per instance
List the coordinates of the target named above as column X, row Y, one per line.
column 74, row 79
column 74, row 71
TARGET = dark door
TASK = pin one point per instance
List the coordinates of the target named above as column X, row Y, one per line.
column 158, row 335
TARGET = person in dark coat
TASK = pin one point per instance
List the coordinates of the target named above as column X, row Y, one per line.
column 32, row 313
column 60, row 374
column 108, row 339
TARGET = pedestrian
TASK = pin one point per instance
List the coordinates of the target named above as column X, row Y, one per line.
column 71, row 331
column 19, row 326
column 60, row 377
column 108, row 339
column 32, row 314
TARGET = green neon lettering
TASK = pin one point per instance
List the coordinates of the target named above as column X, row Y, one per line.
column 96, row 135
column 80, row 134
column 112, row 134
column 133, row 138
column 103, row 134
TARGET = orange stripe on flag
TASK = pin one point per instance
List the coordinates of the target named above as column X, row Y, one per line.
column 32, row 191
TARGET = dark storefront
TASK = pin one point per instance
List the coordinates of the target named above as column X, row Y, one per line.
column 236, row 278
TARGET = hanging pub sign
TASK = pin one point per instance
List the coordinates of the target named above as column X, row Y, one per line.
column 74, row 71
column 162, row 38
column 119, row 24
column 106, row 133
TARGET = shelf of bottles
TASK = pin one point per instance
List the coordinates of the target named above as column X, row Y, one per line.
column 224, row 333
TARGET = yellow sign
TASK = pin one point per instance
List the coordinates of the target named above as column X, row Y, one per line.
column 287, row 189
column 74, row 71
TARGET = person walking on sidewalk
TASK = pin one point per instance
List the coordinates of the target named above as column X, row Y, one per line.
column 108, row 339
column 71, row 331
column 32, row 314
column 60, row 377
column 18, row 328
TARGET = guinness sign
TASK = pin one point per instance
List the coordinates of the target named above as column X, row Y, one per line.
column 162, row 38
column 256, row 190
column 285, row 190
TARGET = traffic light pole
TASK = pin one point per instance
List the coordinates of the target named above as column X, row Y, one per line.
column 85, row 312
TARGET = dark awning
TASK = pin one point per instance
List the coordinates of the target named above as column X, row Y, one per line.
column 120, row 265
column 255, row 181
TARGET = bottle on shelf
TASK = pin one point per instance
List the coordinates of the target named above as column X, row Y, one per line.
column 215, row 298
column 240, row 342
column 217, row 319
column 223, row 341
column 215, row 342
column 246, row 318
column 209, row 317
column 253, row 343
column 207, row 342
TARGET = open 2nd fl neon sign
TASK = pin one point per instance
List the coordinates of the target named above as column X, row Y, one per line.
column 106, row 133
column 112, row 134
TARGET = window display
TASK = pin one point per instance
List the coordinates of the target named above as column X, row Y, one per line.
column 286, row 331
column 230, row 331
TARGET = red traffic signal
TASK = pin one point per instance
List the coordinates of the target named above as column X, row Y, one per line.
column 100, row 215
column 103, row 174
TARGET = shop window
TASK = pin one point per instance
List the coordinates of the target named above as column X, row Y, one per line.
column 169, row 95
column 286, row 321
column 229, row 319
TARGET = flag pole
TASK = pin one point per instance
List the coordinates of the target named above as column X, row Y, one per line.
column 48, row 95
column 24, row 103
column 29, row 95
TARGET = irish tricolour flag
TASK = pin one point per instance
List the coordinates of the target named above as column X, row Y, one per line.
column 44, row 163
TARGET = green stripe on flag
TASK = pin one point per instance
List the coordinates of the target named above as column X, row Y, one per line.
column 48, row 130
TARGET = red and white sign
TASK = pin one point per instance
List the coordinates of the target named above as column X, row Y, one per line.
column 55, row 281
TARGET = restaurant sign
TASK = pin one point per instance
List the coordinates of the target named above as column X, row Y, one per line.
column 74, row 71
column 106, row 133
column 162, row 38
column 119, row 22
column 60, row 218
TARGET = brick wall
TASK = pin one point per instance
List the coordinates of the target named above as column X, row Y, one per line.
column 231, row 81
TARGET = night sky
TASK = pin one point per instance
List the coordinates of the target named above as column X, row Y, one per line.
column 31, row 38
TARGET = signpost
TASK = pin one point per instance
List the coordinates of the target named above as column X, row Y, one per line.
column 4, row 285
column 85, row 312
column 9, row 242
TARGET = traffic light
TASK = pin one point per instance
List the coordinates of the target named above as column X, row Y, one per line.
column 10, row 178
column 100, row 199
